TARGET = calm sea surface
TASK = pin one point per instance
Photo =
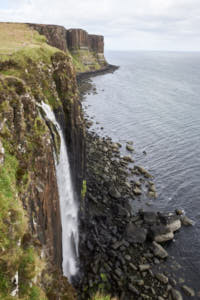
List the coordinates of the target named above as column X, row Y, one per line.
column 154, row 100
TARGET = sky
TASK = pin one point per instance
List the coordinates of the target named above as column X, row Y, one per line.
column 172, row 25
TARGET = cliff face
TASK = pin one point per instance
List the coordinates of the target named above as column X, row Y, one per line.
column 96, row 43
column 56, row 35
column 77, row 39
column 30, row 225
column 87, row 50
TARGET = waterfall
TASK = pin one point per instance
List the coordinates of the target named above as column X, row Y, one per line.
column 68, row 204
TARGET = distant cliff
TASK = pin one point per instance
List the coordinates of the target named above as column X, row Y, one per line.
column 87, row 50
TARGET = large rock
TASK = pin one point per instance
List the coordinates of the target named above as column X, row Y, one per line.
column 160, row 233
column 159, row 251
column 162, row 278
column 173, row 222
column 186, row 221
column 129, row 148
column 143, row 171
column 135, row 234
column 137, row 191
column 176, row 295
column 128, row 158
column 114, row 193
column 149, row 217
column 188, row 291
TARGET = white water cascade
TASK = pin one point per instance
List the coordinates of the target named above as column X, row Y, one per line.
column 68, row 204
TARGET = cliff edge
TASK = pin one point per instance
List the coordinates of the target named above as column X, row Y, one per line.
column 87, row 50
column 32, row 72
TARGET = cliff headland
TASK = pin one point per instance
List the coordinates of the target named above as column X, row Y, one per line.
column 118, row 250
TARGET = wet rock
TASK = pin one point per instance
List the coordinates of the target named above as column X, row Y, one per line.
column 114, row 193
column 118, row 272
column 162, row 278
column 139, row 282
column 152, row 188
column 179, row 212
column 133, row 289
column 128, row 158
column 152, row 194
column 143, row 171
column 128, row 185
column 127, row 257
column 186, row 221
column 129, row 148
column 188, row 291
column 115, row 146
column 149, row 217
column 144, row 267
column 133, row 266
column 135, row 234
column 116, row 245
column 172, row 281
column 137, row 191
column 161, row 233
column 159, row 251
column 105, row 149
column 176, row 295
column 173, row 223
column 129, row 143
column 123, row 212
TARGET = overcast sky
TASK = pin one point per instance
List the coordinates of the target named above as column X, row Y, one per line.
column 125, row 24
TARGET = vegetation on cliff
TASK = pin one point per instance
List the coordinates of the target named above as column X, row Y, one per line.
column 31, row 71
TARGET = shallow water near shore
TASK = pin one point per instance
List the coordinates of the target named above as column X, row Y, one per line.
column 153, row 100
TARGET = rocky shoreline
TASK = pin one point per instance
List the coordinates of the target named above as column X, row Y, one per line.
column 106, row 69
column 120, row 248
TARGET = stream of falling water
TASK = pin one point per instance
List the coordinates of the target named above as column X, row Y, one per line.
column 68, row 204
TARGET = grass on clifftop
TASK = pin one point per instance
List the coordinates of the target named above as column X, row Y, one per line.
column 14, row 37
column 19, row 41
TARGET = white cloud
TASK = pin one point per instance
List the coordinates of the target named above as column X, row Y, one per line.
column 127, row 24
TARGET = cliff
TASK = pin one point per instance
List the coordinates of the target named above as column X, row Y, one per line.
column 86, row 50
column 31, row 71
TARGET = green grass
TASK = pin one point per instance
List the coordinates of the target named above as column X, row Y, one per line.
column 100, row 296
column 84, row 189
column 80, row 57
column 15, row 37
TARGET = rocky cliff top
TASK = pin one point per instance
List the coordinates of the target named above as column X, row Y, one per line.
column 86, row 49
column 73, row 38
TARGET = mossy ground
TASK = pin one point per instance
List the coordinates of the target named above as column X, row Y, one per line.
column 101, row 296
column 15, row 259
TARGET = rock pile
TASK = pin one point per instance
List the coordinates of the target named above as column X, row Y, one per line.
column 119, row 247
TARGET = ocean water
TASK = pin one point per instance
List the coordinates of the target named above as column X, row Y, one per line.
column 154, row 100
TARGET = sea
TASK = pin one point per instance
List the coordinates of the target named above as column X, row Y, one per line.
column 153, row 99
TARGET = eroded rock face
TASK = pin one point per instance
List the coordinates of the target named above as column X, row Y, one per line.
column 77, row 39
column 27, row 135
column 96, row 43
column 56, row 35
column 32, row 146
column 89, row 46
